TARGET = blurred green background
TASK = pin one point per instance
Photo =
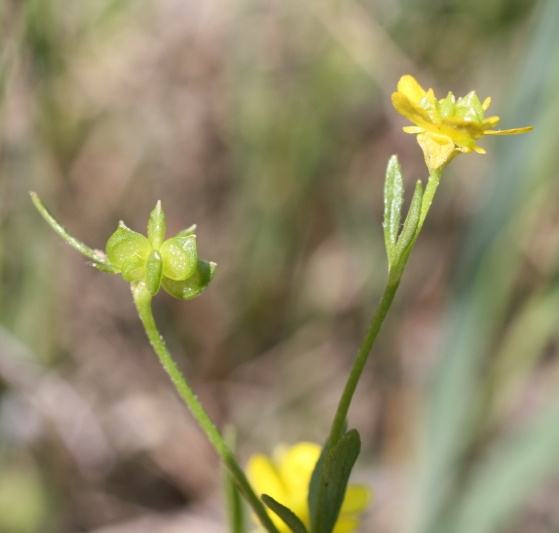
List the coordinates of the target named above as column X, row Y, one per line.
column 269, row 124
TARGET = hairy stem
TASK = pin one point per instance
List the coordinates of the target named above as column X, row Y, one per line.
column 337, row 429
column 142, row 299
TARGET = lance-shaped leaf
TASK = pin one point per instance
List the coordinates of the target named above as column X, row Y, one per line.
column 332, row 486
column 410, row 225
column 393, row 200
column 100, row 261
column 291, row 520
column 194, row 285
column 314, row 484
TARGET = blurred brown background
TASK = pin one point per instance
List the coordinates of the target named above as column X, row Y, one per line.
column 269, row 124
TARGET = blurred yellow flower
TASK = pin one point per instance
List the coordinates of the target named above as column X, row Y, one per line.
column 286, row 476
column 445, row 127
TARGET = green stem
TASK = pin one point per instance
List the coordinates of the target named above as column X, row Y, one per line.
column 428, row 195
column 337, row 429
column 142, row 299
column 394, row 276
column 233, row 500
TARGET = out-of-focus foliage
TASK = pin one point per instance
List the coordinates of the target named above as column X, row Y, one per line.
column 269, row 124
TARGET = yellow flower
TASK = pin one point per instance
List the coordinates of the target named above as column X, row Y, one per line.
column 286, row 476
column 445, row 127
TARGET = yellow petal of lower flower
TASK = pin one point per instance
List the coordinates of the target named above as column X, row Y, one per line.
column 357, row 498
column 296, row 466
column 346, row 525
column 437, row 149
column 514, row 131
column 412, row 111
column 479, row 149
column 265, row 477
column 410, row 87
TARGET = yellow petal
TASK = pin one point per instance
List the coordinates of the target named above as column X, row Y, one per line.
column 412, row 129
column 479, row 149
column 437, row 149
column 486, row 103
column 409, row 87
column 490, row 122
column 297, row 465
column 357, row 499
column 412, row 112
column 461, row 131
column 265, row 477
column 514, row 131
column 346, row 525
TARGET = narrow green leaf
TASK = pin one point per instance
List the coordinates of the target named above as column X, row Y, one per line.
column 410, row 225
column 100, row 261
column 108, row 268
column 194, row 285
column 315, row 478
column 338, row 463
column 393, row 200
column 315, row 483
column 290, row 519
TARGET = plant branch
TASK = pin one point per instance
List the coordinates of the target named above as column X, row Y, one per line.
column 142, row 299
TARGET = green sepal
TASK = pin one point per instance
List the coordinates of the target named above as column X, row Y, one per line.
column 448, row 106
column 410, row 225
column 124, row 243
column 194, row 285
column 157, row 226
column 110, row 269
column 336, row 469
column 154, row 272
column 469, row 108
column 133, row 268
column 180, row 257
column 291, row 520
column 188, row 231
column 393, row 200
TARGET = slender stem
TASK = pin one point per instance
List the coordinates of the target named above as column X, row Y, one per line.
column 233, row 500
column 360, row 360
column 392, row 284
column 142, row 299
column 428, row 195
